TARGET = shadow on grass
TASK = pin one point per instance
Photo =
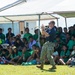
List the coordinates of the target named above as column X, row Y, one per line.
column 50, row 70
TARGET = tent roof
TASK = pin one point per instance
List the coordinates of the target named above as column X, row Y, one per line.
column 65, row 8
column 25, row 11
column 30, row 7
column 68, row 14
column 31, row 17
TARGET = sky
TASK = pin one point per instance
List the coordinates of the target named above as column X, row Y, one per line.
column 70, row 21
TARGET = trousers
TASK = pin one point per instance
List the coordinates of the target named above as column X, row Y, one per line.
column 47, row 49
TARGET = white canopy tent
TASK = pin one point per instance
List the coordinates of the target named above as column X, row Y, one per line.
column 5, row 3
column 9, row 5
column 25, row 11
column 66, row 9
column 31, row 10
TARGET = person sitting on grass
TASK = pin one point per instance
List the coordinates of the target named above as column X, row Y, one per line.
column 16, row 55
column 9, row 34
column 2, row 36
column 4, row 58
column 35, row 55
column 18, row 43
column 27, row 34
column 71, row 56
column 64, row 55
column 35, row 36
column 72, row 61
column 24, row 40
column 71, row 43
column 25, row 55
column 31, row 42
column 42, row 41
column 56, row 56
column 1, row 50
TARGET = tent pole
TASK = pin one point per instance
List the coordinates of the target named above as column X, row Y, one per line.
column 39, row 28
column 12, row 26
column 57, row 23
column 66, row 22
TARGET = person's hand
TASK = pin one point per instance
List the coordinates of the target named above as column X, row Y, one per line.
column 44, row 32
column 43, row 27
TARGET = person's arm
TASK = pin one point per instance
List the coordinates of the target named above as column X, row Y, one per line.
column 43, row 32
column 8, row 55
column 30, row 58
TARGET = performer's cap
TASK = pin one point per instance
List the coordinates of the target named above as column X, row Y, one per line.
column 51, row 22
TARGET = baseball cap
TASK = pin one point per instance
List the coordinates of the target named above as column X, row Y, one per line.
column 51, row 22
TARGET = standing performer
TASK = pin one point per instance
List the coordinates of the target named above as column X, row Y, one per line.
column 48, row 47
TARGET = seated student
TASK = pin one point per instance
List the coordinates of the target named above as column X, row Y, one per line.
column 31, row 42
column 22, row 58
column 71, row 56
column 42, row 41
column 58, row 48
column 10, row 41
column 10, row 53
column 67, row 37
column 9, row 34
column 4, row 53
column 16, row 55
column 72, row 61
column 64, row 55
column 5, row 56
column 2, row 36
column 1, row 50
column 71, row 43
column 25, row 55
column 71, row 30
column 35, row 55
column 61, row 34
column 35, row 36
column 24, row 40
column 18, row 43
column 59, row 41
column 3, row 59
column 56, row 56
column 27, row 34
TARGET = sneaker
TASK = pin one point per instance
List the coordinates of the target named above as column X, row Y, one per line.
column 41, row 67
column 53, row 67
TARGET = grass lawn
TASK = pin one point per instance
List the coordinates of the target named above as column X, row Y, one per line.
column 32, row 70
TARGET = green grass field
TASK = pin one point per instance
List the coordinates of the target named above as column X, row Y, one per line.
column 32, row 70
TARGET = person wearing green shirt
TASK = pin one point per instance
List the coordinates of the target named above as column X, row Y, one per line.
column 71, row 43
column 27, row 34
column 25, row 55
column 1, row 50
column 64, row 55
column 35, row 36
column 2, row 37
column 16, row 55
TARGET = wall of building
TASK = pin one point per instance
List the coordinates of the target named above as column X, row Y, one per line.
column 15, row 27
column 31, row 25
column 18, row 26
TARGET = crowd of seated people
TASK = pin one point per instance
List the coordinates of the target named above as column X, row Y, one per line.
column 25, row 48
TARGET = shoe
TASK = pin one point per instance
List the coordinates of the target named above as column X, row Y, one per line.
column 41, row 67
column 53, row 67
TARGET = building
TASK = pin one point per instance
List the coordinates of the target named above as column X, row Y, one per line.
column 17, row 27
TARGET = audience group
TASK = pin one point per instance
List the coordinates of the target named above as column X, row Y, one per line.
column 25, row 48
